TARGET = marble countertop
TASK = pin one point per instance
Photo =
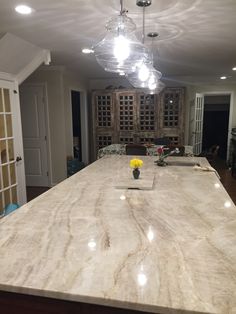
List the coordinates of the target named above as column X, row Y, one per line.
column 171, row 249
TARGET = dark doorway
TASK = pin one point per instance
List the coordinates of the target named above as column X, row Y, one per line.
column 215, row 123
column 76, row 118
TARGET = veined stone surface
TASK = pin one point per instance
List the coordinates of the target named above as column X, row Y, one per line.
column 169, row 249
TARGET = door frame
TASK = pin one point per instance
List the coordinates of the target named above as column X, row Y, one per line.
column 231, row 94
column 18, row 139
column 84, row 122
column 47, row 126
column 197, row 128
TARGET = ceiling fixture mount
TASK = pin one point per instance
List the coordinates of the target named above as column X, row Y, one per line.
column 153, row 34
column 23, row 9
column 143, row 3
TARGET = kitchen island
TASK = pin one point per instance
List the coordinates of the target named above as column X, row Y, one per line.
column 87, row 247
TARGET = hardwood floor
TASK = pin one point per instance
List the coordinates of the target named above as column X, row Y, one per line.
column 34, row 191
column 228, row 181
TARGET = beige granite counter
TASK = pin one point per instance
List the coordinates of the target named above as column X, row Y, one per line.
column 167, row 250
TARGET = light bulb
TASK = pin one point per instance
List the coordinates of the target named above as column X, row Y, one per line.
column 23, row 9
column 152, row 83
column 143, row 73
column 121, row 48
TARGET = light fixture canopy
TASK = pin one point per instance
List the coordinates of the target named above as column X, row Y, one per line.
column 143, row 3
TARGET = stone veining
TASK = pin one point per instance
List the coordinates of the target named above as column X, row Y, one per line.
column 169, row 249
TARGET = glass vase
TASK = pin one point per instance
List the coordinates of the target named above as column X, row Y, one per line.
column 136, row 173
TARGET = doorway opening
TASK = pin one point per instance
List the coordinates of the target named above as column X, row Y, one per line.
column 216, row 123
column 76, row 123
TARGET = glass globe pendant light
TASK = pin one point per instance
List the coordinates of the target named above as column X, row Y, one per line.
column 145, row 75
column 120, row 50
column 155, row 88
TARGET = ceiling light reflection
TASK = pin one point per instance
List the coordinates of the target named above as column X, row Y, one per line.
column 92, row 245
column 142, row 279
column 150, row 234
column 223, row 77
column 217, row 185
column 122, row 197
column 227, row 204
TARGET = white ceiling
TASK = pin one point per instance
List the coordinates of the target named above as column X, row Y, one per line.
column 196, row 37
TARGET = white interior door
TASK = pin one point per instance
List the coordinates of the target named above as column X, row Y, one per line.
column 196, row 123
column 12, row 179
column 33, row 113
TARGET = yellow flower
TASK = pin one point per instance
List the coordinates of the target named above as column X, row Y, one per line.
column 136, row 163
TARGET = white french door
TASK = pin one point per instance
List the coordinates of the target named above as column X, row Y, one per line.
column 12, row 181
column 196, row 123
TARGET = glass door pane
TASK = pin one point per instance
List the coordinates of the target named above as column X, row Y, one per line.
column 8, row 182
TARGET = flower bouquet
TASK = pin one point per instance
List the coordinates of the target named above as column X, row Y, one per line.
column 164, row 152
column 136, row 164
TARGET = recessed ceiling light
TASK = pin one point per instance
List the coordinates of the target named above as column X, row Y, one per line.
column 223, row 77
column 87, row 50
column 23, row 9
column 234, row 68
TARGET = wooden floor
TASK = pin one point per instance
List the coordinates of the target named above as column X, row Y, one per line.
column 220, row 165
column 227, row 180
column 34, row 191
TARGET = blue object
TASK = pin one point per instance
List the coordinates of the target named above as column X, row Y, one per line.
column 73, row 166
column 10, row 208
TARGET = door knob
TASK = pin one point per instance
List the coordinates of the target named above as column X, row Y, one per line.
column 18, row 158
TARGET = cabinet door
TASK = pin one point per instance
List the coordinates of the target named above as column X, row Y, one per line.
column 172, row 115
column 104, row 125
column 147, row 118
column 126, row 111
column 129, row 116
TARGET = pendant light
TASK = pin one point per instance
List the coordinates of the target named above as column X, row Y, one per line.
column 120, row 51
column 145, row 75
